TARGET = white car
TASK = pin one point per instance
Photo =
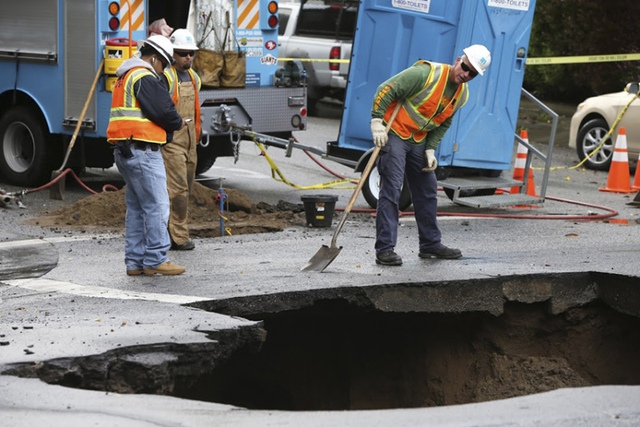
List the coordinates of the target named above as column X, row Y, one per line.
column 593, row 119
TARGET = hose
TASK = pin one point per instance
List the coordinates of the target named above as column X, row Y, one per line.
column 106, row 187
column 588, row 217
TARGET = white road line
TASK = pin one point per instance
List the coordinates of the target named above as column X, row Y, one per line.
column 49, row 240
column 47, row 285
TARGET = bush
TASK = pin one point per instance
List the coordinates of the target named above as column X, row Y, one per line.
column 576, row 28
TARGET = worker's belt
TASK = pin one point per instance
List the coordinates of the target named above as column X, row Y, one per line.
column 140, row 145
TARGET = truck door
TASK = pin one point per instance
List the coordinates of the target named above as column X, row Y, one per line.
column 393, row 34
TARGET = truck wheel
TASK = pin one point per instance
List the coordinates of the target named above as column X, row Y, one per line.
column 206, row 157
column 26, row 157
column 371, row 190
column 204, row 164
column 312, row 106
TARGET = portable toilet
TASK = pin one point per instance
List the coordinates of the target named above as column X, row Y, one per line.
column 391, row 35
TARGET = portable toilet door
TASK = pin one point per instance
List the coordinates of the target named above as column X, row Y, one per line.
column 393, row 34
column 482, row 135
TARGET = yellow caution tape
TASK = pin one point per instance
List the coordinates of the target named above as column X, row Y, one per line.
column 548, row 60
column 341, row 61
column 582, row 59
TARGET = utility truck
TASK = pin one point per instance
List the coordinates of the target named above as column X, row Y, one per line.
column 52, row 50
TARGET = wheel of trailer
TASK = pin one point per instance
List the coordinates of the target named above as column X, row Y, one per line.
column 371, row 190
column 26, row 154
column 470, row 193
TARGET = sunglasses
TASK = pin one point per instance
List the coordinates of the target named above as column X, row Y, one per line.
column 468, row 69
column 184, row 54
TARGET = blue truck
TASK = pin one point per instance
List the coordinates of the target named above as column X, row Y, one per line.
column 52, row 50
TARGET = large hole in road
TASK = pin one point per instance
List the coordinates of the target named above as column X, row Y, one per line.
column 336, row 353
column 389, row 346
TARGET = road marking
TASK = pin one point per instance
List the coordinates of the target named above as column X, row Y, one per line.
column 48, row 285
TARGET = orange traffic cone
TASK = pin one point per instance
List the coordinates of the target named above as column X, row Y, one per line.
column 518, row 167
column 636, row 179
column 619, row 177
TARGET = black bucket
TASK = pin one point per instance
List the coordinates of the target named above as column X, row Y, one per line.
column 319, row 209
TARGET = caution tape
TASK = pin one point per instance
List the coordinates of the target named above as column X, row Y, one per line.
column 341, row 61
column 277, row 175
column 548, row 60
column 583, row 59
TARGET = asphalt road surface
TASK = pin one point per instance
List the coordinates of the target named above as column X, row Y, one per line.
column 64, row 295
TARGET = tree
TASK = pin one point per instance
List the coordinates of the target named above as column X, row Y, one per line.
column 582, row 27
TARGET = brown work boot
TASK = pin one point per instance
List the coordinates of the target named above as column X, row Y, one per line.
column 168, row 269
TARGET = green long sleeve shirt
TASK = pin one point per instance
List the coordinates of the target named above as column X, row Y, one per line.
column 404, row 85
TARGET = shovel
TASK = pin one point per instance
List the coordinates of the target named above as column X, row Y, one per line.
column 327, row 254
column 57, row 188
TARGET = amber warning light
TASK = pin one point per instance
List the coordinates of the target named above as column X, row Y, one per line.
column 114, row 21
column 273, row 18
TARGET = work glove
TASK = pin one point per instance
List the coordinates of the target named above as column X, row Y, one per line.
column 379, row 133
column 432, row 163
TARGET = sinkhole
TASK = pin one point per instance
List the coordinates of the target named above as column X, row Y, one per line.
column 402, row 345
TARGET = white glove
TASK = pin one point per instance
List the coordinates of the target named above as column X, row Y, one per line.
column 432, row 163
column 379, row 133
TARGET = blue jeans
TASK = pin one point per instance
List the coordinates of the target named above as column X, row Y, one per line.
column 396, row 159
column 146, row 235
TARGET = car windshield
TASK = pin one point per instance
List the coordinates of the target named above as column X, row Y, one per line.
column 333, row 20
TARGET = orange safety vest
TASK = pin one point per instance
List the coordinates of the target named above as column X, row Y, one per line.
column 418, row 114
column 127, row 119
column 172, row 78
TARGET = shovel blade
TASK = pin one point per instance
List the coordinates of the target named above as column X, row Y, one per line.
column 322, row 258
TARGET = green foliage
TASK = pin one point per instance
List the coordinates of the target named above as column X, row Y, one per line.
column 582, row 27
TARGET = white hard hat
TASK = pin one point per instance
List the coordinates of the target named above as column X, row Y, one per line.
column 479, row 57
column 183, row 40
column 160, row 44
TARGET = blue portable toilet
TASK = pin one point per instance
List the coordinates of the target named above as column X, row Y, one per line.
column 391, row 35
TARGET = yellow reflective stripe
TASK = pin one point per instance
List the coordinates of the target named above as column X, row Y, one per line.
column 132, row 78
column 131, row 113
column 411, row 105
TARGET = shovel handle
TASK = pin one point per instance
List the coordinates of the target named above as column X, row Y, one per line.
column 365, row 174
column 81, row 118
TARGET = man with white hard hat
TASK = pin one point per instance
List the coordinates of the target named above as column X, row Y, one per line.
column 142, row 120
column 429, row 94
column 180, row 157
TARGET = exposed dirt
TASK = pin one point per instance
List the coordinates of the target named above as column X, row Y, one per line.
column 105, row 212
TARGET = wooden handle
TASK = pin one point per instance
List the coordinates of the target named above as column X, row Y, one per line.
column 81, row 118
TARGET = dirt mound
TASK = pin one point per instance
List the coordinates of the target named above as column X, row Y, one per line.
column 105, row 211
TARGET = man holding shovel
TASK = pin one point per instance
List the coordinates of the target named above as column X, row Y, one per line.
column 429, row 93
